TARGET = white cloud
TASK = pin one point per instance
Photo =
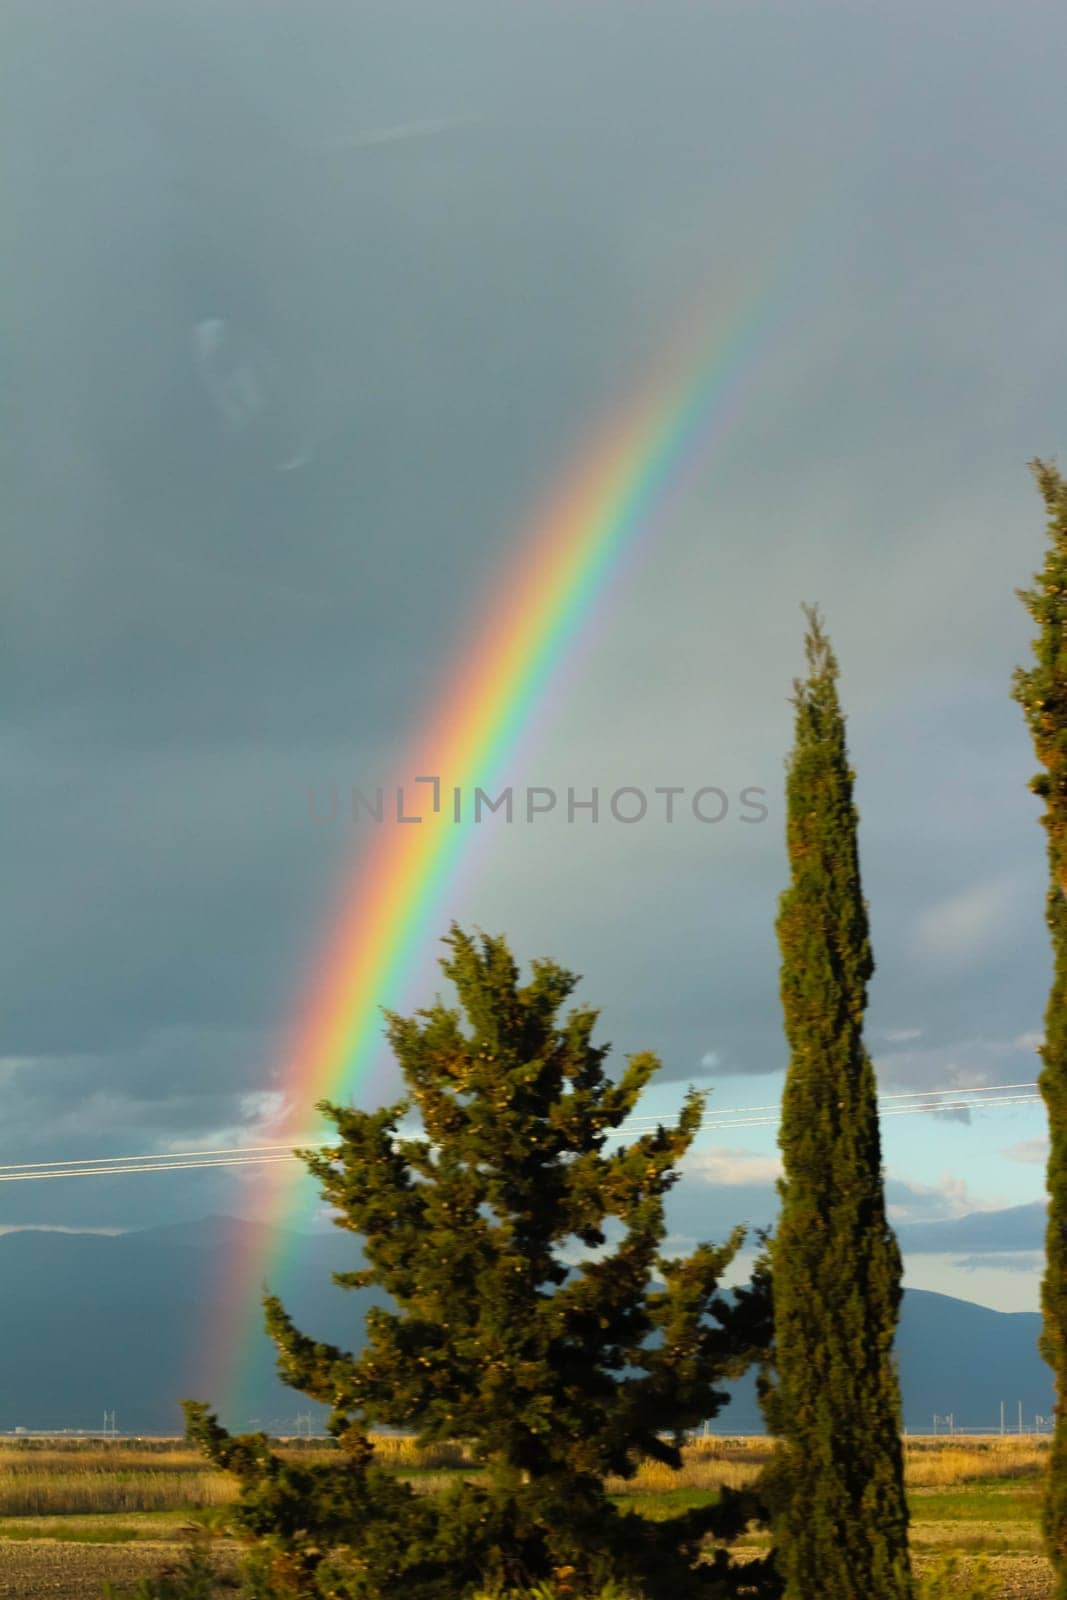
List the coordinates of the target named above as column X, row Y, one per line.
column 927, row 1202
column 902, row 1035
column 49, row 1227
column 711, row 1060
column 679, row 1244
column 965, row 927
column 1032, row 1151
column 261, row 1114
column 731, row 1166
column 1011, row 1283
column 1028, row 1262
column 16, row 1063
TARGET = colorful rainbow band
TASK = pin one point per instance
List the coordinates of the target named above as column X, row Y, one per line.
column 396, row 902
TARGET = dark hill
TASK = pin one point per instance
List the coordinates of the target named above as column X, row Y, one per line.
column 93, row 1322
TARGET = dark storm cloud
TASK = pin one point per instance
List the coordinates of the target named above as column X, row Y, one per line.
column 195, row 637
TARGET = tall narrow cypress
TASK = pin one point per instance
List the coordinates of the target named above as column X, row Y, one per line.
column 1042, row 693
column 837, row 1485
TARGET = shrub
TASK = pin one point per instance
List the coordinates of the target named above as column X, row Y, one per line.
column 950, row 1579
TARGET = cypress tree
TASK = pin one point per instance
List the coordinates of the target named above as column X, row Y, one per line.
column 556, row 1369
column 1042, row 692
column 836, row 1487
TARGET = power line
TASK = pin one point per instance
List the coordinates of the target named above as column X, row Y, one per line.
column 966, row 1105
column 965, row 1102
column 158, row 1155
column 920, row 1102
column 143, row 1166
column 904, row 1094
column 712, row 1126
column 714, row 1121
column 963, row 1096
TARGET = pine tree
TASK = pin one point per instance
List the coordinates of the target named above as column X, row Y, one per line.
column 1042, row 692
column 837, row 1486
column 535, row 1317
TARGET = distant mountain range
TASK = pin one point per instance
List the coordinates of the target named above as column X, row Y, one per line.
column 126, row 1323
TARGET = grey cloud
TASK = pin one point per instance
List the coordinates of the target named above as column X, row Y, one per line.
column 956, row 1065
column 1016, row 1228
column 919, row 1202
column 193, row 639
column 1023, row 1262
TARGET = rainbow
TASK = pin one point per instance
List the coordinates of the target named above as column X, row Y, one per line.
column 567, row 559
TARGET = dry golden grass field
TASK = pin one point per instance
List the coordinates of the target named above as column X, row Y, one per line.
column 74, row 1515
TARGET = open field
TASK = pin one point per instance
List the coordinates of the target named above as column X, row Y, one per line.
column 75, row 1514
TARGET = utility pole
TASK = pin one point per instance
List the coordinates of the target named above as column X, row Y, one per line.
column 1020, row 1416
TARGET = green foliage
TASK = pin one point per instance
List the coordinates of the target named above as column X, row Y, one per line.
column 1042, row 692
column 950, row 1580
column 553, row 1374
column 836, row 1485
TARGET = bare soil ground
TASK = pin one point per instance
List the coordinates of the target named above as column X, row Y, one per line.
column 74, row 1520
column 1018, row 1577
column 43, row 1569
column 52, row 1569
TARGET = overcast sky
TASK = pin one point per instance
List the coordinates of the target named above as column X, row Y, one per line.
column 284, row 402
